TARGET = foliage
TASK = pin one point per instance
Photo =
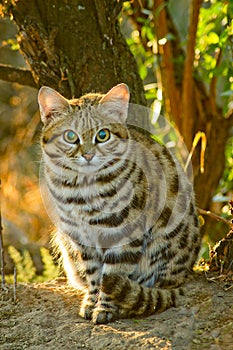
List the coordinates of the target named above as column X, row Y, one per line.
column 228, row 172
column 51, row 270
column 12, row 43
column 214, row 50
column 213, row 56
column 26, row 271
column 225, row 187
column 24, row 264
column 142, row 44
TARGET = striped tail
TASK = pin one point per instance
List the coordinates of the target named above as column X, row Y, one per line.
column 136, row 300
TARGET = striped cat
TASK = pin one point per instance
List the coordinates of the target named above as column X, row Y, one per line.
column 127, row 229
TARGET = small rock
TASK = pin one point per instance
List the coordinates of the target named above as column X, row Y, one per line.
column 184, row 311
column 195, row 310
column 215, row 333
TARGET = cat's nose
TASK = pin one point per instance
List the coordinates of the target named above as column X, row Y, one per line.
column 88, row 156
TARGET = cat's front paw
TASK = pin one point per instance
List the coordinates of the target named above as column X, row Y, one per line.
column 102, row 316
column 86, row 311
column 87, row 307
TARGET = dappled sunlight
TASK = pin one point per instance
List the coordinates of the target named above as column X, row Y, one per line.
column 143, row 338
column 46, row 314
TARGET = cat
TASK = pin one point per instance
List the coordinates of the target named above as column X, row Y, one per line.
column 127, row 227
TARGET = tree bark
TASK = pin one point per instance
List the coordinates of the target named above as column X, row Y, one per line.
column 75, row 47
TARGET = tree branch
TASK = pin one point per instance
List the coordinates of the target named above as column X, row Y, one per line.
column 165, row 58
column 214, row 216
column 188, row 82
column 17, row 75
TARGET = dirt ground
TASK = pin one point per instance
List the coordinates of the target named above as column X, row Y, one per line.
column 45, row 316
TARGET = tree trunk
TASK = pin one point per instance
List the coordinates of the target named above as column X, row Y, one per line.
column 76, row 47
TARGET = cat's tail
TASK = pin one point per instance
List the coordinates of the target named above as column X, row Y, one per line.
column 136, row 300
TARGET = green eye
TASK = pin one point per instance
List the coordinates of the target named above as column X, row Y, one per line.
column 103, row 135
column 70, row 136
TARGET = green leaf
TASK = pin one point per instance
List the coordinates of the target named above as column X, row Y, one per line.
column 142, row 71
column 213, row 38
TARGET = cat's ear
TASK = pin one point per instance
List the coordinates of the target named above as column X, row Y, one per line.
column 116, row 102
column 51, row 104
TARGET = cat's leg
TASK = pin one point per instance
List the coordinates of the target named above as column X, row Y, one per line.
column 82, row 267
column 106, row 309
column 91, row 297
column 91, row 268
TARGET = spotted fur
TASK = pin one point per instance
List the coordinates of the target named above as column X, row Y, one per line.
column 127, row 228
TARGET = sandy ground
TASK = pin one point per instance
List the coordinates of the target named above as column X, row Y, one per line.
column 45, row 316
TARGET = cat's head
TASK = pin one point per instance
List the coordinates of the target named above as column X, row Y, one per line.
column 87, row 133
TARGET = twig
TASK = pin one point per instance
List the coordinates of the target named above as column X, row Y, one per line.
column 217, row 279
column 200, row 135
column 212, row 279
column 2, row 257
column 215, row 216
column 15, row 285
column 228, row 288
column 1, row 247
column 140, row 3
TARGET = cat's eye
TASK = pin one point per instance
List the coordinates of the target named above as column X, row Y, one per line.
column 70, row 136
column 103, row 135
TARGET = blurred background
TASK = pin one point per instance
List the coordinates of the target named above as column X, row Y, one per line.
column 26, row 225
column 24, row 219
